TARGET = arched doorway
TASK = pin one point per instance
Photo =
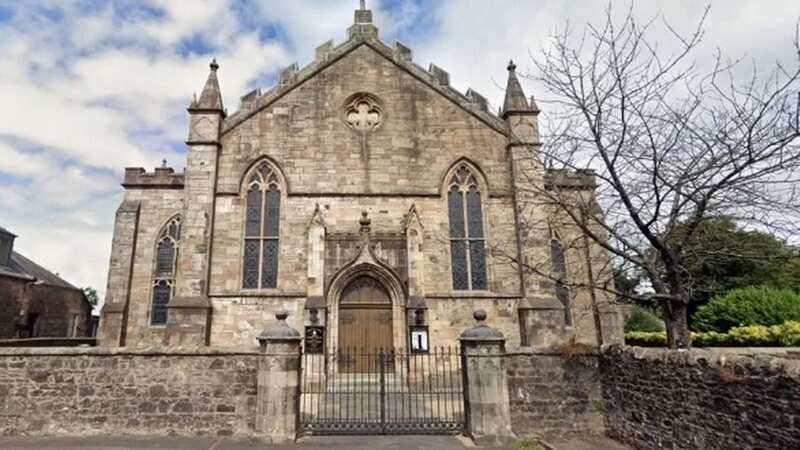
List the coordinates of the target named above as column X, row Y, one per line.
column 365, row 324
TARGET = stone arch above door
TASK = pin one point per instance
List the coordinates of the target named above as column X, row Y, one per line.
column 381, row 279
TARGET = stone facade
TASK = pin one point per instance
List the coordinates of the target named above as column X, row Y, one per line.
column 360, row 129
column 699, row 399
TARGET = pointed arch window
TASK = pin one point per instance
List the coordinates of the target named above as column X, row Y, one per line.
column 467, row 246
column 558, row 263
column 164, row 272
column 262, row 229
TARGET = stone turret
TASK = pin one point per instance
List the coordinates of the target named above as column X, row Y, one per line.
column 520, row 115
column 190, row 308
column 542, row 315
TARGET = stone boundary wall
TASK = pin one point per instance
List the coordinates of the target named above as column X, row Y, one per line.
column 554, row 394
column 86, row 391
column 700, row 399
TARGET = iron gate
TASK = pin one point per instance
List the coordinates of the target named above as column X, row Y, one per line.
column 382, row 392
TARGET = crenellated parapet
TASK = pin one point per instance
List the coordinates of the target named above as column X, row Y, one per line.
column 363, row 32
column 162, row 178
column 580, row 179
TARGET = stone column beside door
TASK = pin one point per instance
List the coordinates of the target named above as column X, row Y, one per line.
column 278, row 366
column 489, row 412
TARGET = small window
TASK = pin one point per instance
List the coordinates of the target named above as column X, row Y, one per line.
column 164, row 272
column 467, row 246
column 262, row 229
column 559, row 269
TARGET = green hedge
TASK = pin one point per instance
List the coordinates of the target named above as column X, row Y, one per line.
column 784, row 335
column 643, row 319
column 755, row 305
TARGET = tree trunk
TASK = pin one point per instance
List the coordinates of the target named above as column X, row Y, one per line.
column 676, row 319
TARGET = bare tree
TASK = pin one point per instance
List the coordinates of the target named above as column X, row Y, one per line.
column 671, row 145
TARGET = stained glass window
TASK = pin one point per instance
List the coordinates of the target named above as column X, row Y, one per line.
column 458, row 257
column 162, row 292
column 465, row 213
column 559, row 268
column 250, row 277
column 165, row 256
column 253, row 214
column 262, row 229
column 164, row 277
column 269, row 268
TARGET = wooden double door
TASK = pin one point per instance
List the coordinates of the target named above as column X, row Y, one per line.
column 365, row 325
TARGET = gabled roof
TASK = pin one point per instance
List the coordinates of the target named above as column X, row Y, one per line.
column 22, row 267
column 6, row 232
column 363, row 33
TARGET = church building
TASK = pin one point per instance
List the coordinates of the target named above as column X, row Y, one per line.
column 370, row 200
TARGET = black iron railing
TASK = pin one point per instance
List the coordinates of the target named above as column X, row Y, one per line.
column 349, row 391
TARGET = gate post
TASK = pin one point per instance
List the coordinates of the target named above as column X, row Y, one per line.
column 486, row 389
column 278, row 377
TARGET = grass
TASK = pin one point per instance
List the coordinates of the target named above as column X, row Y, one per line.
column 527, row 444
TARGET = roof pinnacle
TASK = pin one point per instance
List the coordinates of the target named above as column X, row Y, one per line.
column 362, row 22
column 515, row 100
column 210, row 97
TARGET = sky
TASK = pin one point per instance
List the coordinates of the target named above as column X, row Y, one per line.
column 91, row 87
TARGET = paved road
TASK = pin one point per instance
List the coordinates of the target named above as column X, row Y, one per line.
column 312, row 443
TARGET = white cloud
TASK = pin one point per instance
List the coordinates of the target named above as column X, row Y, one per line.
column 90, row 91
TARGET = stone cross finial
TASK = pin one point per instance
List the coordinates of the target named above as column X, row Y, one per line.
column 164, row 163
column 214, row 66
column 511, row 66
column 365, row 222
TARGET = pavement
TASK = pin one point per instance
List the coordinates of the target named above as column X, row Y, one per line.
column 307, row 443
column 181, row 443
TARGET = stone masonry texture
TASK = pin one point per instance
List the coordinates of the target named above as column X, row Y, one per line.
column 554, row 395
column 657, row 398
column 56, row 308
column 329, row 172
column 73, row 391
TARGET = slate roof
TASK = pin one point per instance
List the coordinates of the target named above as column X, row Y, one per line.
column 22, row 267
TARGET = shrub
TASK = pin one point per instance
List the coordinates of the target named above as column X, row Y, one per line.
column 646, row 338
column 643, row 319
column 784, row 335
column 756, row 305
column 712, row 339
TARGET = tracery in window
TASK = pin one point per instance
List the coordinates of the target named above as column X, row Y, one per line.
column 467, row 246
column 164, row 272
column 559, row 269
column 262, row 229
column 363, row 112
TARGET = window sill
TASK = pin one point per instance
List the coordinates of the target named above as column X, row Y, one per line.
column 471, row 294
column 257, row 293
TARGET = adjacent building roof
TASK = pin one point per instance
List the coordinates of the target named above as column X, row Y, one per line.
column 6, row 232
column 22, row 267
